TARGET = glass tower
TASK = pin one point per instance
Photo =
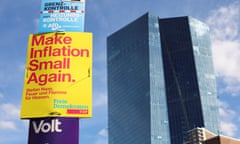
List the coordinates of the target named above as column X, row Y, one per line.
column 161, row 81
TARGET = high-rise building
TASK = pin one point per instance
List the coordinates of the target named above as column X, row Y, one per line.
column 161, row 81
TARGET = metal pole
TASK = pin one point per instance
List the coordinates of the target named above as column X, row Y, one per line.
column 56, row 130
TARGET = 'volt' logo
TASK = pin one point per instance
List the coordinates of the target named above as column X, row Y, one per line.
column 46, row 127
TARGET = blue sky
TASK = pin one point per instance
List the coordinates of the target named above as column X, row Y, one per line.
column 103, row 17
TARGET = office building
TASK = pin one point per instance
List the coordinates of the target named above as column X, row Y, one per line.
column 203, row 136
column 199, row 135
column 161, row 81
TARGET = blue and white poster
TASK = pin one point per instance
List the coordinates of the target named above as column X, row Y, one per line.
column 62, row 15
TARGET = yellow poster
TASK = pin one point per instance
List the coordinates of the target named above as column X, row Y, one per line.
column 58, row 76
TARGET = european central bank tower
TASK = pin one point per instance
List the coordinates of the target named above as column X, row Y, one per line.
column 161, row 81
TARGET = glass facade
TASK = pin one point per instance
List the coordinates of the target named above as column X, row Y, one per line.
column 183, row 99
column 205, row 72
column 129, row 84
column 159, row 117
column 159, row 85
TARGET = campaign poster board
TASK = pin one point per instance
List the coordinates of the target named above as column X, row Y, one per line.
column 58, row 76
column 62, row 15
column 54, row 131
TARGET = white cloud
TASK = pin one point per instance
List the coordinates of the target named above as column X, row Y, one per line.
column 12, row 129
column 228, row 116
column 229, row 129
column 225, row 26
column 9, row 116
column 225, row 30
column 227, row 57
column 100, row 100
column 103, row 133
column 9, row 110
column 102, row 137
column 7, row 125
column 225, row 21
column 226, row 113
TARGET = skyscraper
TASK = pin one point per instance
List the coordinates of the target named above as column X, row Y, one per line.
column 161, row 81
